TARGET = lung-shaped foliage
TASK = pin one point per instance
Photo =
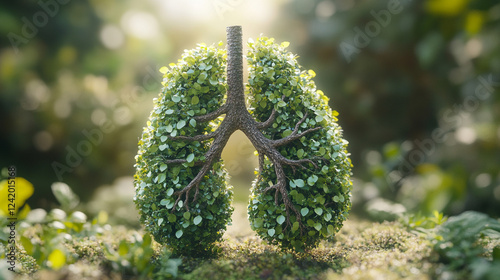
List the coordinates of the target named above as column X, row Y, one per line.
column 302, row 193
column 165, row 163
column 321, row 194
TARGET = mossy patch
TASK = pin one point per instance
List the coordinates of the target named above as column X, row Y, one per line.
column 360, row 250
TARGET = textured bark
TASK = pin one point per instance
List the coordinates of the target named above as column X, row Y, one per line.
column 238, row 118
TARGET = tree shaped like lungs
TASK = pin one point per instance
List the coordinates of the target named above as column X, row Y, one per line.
column 302, row 193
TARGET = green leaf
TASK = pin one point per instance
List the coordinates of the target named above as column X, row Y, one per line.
column 202, row 76
column 257, row 223
column 160, row 221
column 190, row 158
column 281, row 81
column 176, row 98
column 169, row 128
column 170, row 204
column 163, row 147
column 318, row 211
column 304, row 211
column 181, row 124
column 280, row 219
column 287, row 132
column 161, row 178
column 300, row 153
column 163, row 138
column 271, row 232
column 197, row 220
column 318, row 226
column 281, row 103
column 172, row 218
column 169, row 112
column 295, row 226
column 170, row 191
column 189, row 59
column 163, row 167
column 179, row 233
column 213, row 81
column 300, row 183
column 186, row 215
column 327, row 217
column 195, row 100
column 192, row 122
column 312, row 180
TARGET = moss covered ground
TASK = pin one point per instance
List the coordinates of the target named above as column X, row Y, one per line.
column 463, row 247
column 361, row 250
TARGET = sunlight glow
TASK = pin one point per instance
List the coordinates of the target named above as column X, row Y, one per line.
column 112, row 37
column 466, row 135
column 325, row 9
column 140, row 24
column 483, row 180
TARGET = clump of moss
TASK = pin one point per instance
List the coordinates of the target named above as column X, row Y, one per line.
column 384, row 250
column 250, row 258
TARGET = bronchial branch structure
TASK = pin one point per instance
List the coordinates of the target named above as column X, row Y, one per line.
column 302, row 190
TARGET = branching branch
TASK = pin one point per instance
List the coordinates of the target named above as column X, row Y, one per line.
column 202, row 137
column 237, row 118
column 195, row 183
column 212, row 115
column 268, row 122
column 295, row 135
column 175, row 161
column 261, row 166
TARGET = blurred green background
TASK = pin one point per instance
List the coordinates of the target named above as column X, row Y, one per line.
column 416, row 84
